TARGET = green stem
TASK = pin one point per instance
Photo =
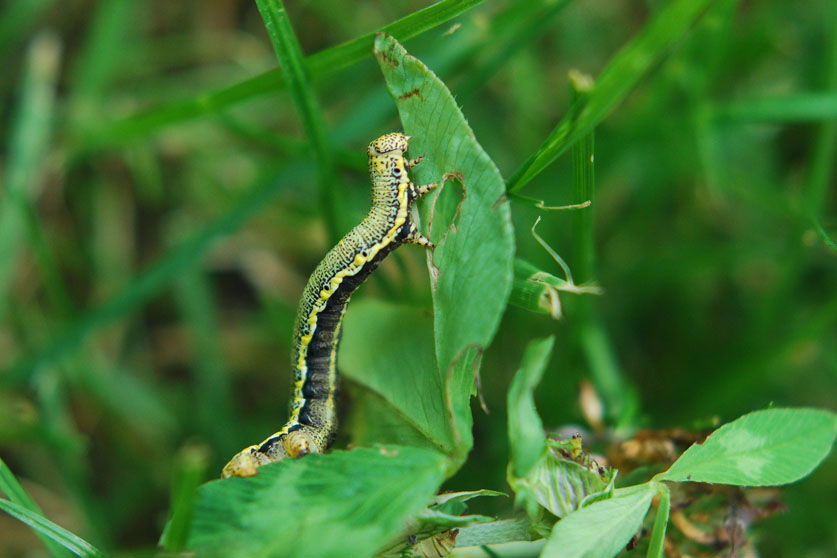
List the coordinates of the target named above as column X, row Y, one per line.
column 822, row 159
column 619, row 397
column 296, row 76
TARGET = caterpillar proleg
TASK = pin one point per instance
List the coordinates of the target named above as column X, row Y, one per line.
column 313, row 419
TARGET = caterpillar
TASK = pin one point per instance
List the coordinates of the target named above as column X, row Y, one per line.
column 313, row 419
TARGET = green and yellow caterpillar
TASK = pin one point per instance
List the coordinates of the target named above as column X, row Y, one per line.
column 313, row 421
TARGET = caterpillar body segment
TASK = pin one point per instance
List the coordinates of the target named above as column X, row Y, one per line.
column 313, row 419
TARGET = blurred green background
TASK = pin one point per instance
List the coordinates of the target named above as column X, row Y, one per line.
column 154, row 239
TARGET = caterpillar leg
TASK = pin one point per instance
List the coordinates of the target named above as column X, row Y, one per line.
column 415, row 237
column 422, row 189
column 410, row 163
column 298, row 443
column 245, row 463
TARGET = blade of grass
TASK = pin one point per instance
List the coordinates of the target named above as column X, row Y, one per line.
column 450, row 55
column 190, row 470
column 45, row 527
column 614, row 83
column 655, row 546
column 28, row 146
column 209, row 376
column 821, row 166
column 42, row 253
column 798, row 107
column 13, row 490
column 104, row 45
column 323, row 62
column 583, row 178
column 619, row 397
column 521, row 25
column 295, row 75
column 706, row 54
column 824, row 236
column 145, row 285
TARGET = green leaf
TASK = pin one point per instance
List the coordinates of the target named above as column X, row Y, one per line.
column 389, row 349
column 603, row 529
column 496, row 532
column 471, row 267
column 346, row 503
column 324, row 62
column 763, row 448
column 47, row 528
column 614, row 83
column 565, row 479
column 526, row 434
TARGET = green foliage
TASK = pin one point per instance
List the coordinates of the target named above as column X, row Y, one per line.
column 404, row 335
column 166, row 189
column 22, row 503
column 294, row 74
column 770, row 447
column 28, row 143
column 45, row 528
column 601, row 530
column 323, row 62
column 625, row 69
column 471, row 268
column 343, row 503
column 525, row 427
column 764, row 448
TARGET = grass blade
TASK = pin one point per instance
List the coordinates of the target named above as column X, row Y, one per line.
column 10, row 486
column 190, row 470
column 822, row 161
column 619, row 397
column 28, row 145
column 145, row 286
column 518, row 27
column 324, row 62
column 799, row 107
column 295, row 75
column 655, row 546
column 47, row 528
column 210, row 375
column 618, row 78
column 583, row 180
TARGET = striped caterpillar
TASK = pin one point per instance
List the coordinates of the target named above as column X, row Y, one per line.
column 313, row 419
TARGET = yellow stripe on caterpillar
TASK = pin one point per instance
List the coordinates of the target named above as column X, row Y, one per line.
column 313, row 417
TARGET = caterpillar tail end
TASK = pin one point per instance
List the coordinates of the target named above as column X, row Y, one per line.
column 245, row 463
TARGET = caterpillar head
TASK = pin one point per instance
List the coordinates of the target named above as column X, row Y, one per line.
column 389, row 143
